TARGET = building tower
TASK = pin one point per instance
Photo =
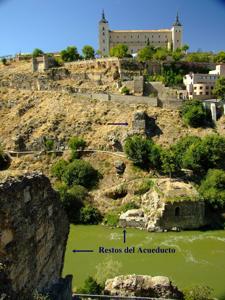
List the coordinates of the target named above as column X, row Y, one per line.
column 177, row 34
column 104, row 36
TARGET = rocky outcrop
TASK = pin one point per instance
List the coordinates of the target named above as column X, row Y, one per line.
column 142, row 286
column 133, row 218
column 33, row 235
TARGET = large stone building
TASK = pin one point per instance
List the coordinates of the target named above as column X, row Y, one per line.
column 138, row 39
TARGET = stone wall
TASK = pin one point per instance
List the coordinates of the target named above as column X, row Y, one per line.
column 33, row 235
column 183, row 215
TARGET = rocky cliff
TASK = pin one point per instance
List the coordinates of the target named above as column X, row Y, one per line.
column 33, row 236
column 142, row 286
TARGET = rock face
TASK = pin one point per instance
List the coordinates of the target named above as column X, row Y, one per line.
column 133, row 218
column 33, row 235
column 142, row 286
column 120, row 167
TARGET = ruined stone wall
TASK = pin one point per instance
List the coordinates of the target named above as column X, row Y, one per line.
column 183, row 215
column 33, row 235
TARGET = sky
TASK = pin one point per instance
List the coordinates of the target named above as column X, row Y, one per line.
column 52, row 25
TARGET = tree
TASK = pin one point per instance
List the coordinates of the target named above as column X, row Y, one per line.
column 177, row 55
column 185, row 48
column 206, row 154
column 137, row 149
column 212, row 188
column 90, row 215
column 76, row 144
column 72, row 200
column 160, row 54
column 88, row 52
column 220, row 57
column 80, row 172
column 145, row 54
column 91, row 287
column 4, row 61
column 37, row 52
column 59, row 168
column 168, row 162
column 199, row 57
column 70, row 54
column 119, row 51
column 180, row 148
column 219, row 89
column 193, row 113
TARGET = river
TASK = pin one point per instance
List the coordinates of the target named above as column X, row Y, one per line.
column 199, row 258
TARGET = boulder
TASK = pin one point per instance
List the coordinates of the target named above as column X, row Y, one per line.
column 133, row 218
column 142, row 286
column 120, row 167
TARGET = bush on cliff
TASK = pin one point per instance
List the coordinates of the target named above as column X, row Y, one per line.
column 90, row 215
column 80, row 172
column 72, row 200
column 91, row 286
column 194, row 114
column 212, row 188
column 76, row 144
column 119, row 51
column 59, row 168
column 70, row 54
column 37, row 52
column 205, row 154
column 143, row 152
column 88, row 52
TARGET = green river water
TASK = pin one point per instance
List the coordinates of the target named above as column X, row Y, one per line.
column 199, row 257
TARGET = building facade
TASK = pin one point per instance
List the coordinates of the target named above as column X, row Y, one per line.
column 138, row 39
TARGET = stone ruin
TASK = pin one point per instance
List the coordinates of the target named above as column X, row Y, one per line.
column 33, row 236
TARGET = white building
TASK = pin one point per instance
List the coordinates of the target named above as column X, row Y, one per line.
column 138, row 39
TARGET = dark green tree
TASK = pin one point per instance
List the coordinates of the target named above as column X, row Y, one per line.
column 76, row 144
column 80, row 172
column 119, row 51
column 90, row 215
column 220, row 57
column 206, row 154
column 88, row 52
column 70, row 54
column 194, row 114
column 212, row 188
column 59, row 168
column 169, row 165
column 146, row 54
column 219, row 89
column 37, row 52
column 91, row 287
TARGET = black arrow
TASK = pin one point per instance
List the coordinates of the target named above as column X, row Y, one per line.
column 124, row 235
column 83, row 251
column 119, row 124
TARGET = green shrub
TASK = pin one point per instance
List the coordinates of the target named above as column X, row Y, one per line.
column 111, row 219
column 206, row 154
column 198, row 293
column 4, row 61
column 88, row 52
column 90, row 215
column 72, row 200
column 144, row 187
column 169, row 165
column 182, row 146
column 125, row 91
column 91, row 287
column 219, row 89
column 119, row 51
column 194, row 114
column 212, row 188
column 70, row 54
column 129, row 206
column 49, row 144
column 75, row 144
column 80, row 172
column 37, row 52
column 59, row 168
column 146, row 54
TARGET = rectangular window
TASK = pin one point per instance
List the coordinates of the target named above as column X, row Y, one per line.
column 200, row 87
column 207, row 93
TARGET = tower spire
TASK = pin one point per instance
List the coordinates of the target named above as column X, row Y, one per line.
column 103, row 20
column 177, row 22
